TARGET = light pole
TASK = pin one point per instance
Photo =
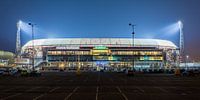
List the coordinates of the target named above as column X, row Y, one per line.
column 186, row 62
column 133, row 29
column 33, row 58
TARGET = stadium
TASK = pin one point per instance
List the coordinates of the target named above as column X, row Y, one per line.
column 101, row 53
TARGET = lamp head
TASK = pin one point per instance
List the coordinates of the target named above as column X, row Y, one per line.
column 29, row 24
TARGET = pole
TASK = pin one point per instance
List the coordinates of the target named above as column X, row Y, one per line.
column 33, row 46
column 187, row 67
column 33, row 58
column 133, row 48
column 133, row 28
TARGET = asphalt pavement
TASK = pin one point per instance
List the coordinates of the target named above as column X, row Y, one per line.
column 99, row 86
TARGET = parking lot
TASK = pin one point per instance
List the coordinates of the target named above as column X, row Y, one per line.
column 99, row 86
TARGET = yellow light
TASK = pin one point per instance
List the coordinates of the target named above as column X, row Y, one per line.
column 61, row 65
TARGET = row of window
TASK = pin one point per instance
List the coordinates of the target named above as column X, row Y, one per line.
column 105, row 53
column 68, row 52
column 137, row 53
column 108, row 58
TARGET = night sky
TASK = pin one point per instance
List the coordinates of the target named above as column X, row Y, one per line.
column 101, row 18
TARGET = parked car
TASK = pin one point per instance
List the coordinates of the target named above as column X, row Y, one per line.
column 191, row 73
column 24, row 73
column 6, row 73
column 2, row 71
column 35, row 73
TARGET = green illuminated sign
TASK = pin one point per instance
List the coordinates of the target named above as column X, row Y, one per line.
column 146, row 58
column 100, row 47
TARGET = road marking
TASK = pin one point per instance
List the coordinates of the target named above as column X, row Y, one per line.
column 71, row 93
column 45, row 93
column 124, row 96
column 6, row 90
column 39, row 96
column 161, row 89
column 97, row 93
column 54, row 89
column 32, row 89
column 10, row 96
column 140, row 89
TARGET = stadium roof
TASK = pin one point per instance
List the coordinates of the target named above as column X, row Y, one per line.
column 110, row 42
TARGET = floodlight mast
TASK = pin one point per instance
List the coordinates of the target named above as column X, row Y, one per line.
column 18, row 41
column 181, row 40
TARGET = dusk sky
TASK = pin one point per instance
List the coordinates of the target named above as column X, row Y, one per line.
column 101, row 18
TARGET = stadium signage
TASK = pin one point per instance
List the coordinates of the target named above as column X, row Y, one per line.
column 72, row 47
column 22, row 61
column 100, row 47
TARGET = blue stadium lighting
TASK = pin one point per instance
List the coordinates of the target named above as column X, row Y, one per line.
column 180, row 24
column 172, row 28
column 24, row 26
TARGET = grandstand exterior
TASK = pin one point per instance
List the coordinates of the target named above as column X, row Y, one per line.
column 102, row 53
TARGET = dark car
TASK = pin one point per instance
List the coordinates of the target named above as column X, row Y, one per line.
column 2, row 71
column 191, row 73
column 6, row 73
column 35, row 73
column 24, row 73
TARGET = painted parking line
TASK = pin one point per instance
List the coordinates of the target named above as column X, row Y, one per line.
column 54, row 89
column 10, row 96
column 140, row 89
column 32, row 89
column 161, row 89
column 97, row 92
column 124, row 96
column 36, row 98
column 6, row 90
column 17, row 94
column 75, row 89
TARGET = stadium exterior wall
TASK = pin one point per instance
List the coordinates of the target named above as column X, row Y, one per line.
column 102, row 53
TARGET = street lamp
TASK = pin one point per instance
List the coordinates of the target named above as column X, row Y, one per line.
column 186, row 62
column 133, row 29
column 33, row 58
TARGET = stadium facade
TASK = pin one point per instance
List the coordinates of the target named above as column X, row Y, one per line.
column 102, row 53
